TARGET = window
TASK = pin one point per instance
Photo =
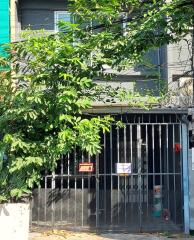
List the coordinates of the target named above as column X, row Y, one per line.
column 61, row 16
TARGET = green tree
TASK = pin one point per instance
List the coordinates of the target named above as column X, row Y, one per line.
column 149, row 24
column 50, row 82
column 42, row 99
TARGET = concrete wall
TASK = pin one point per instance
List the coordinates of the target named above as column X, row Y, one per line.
column 44, row 4
column 15, row 20
column 178, row 58
column 178, row 65
column 40, row 14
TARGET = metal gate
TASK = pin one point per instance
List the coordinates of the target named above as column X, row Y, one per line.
column 150, row 198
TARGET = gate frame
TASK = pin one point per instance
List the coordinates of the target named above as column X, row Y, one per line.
column 185, row 179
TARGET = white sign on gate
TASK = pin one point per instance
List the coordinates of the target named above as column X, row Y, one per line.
column 123, row 168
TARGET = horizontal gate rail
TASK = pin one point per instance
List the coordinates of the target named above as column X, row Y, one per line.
column 113, row 174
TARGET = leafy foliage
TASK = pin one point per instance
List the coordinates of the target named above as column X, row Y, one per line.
column 41, row 112
column 149, row 24
column 50, row 83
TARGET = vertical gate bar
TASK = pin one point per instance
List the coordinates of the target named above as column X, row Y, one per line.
column 62, row 172
column 139, row 142
column 153, row 152
column 68, row 188
column 105, row 195
column 75, row 187
column 118, row 160
column 97, row 191
column 167, row 167
column 125, row 159
column 147, row 169
column 45, row 197
column 131, row 143
column 160, row 149
column 53, row 185
column 111, row 187
column 185, row 178
column 174, row 186
column 160, row 146
column 125, row 144
column 82, row 193
column 181, row 167
column 39, row 187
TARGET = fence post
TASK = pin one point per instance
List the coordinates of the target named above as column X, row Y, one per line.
column 185, row 179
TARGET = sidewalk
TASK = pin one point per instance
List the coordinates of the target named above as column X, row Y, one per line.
column 68, row 235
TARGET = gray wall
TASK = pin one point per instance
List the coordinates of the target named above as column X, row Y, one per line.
column 178, row 65
column 40, row 13
column 44, row 4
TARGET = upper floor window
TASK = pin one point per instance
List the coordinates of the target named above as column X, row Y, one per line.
column 62, row 16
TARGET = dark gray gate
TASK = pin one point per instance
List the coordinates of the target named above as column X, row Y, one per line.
column 105, row 200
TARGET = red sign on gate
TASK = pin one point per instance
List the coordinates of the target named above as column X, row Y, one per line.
column 86, row 167
column 177, row 147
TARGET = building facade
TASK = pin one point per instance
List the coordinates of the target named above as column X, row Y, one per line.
column 154, row 194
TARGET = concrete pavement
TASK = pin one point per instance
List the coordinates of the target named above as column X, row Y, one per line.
column 69, row 235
